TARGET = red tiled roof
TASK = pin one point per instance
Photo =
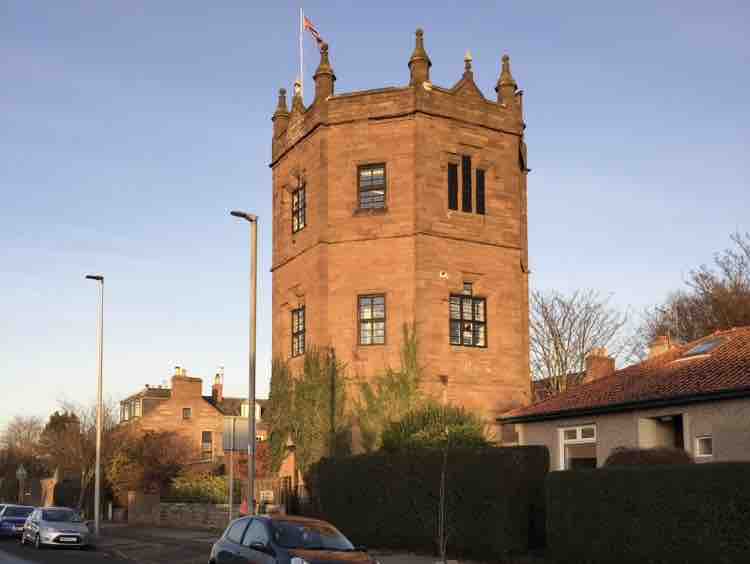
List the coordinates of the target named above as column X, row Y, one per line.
column 667, row 378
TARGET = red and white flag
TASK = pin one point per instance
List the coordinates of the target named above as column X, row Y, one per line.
column 308, row 25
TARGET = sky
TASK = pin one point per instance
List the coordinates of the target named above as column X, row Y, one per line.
column 128, row 130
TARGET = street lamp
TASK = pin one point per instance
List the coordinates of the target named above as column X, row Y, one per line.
column 21, row 475
column 253, row 221
column 100, row 351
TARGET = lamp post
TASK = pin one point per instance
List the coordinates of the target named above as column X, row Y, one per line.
column 99, row 354
column 21, row 475
column 253, row 221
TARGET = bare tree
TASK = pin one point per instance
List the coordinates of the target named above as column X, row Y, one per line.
column 717, row 297
column 68, row 441
column 22, row 434
column 565, row 328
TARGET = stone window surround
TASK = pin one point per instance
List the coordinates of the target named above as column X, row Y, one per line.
column 384, row 319
column 478, row 162
column 363, row 163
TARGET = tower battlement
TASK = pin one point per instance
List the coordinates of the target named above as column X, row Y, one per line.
column 462, row 101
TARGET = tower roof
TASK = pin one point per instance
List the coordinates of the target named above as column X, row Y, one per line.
column 506, row 78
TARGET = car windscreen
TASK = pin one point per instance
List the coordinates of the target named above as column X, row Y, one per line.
column 60, row 516
column 18, row 511
column 309, row 535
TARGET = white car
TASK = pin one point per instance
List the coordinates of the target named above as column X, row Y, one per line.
column 55, row 526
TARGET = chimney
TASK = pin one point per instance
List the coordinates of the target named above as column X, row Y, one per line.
column 217, row 390
column 659, row 345
column 598, row 365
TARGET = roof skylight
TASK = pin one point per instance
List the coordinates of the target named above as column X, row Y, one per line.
column 706, row 347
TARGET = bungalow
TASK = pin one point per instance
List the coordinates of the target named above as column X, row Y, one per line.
column 693, row 396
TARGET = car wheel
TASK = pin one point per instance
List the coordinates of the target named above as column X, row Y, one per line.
column 37, row 542
column 23, row 539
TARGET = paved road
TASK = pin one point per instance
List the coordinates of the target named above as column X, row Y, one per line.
column 11, row 552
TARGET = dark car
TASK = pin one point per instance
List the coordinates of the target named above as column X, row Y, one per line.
column 283, row 539
column 12, row 519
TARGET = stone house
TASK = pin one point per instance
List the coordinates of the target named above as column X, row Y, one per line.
column 205, row 420
column 693, row 396
column 406, row 206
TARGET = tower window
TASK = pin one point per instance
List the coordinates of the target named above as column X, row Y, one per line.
column 298, row 331
column 468, row 320
column 466, row 186
column 207, row 445
column 299, row 209
column 371, row 320
column 480, row 191
column 371, row 183
column 187, row 413
column 453, row 186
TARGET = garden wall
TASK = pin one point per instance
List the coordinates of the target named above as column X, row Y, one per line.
column 494, row 499
column 686, row 514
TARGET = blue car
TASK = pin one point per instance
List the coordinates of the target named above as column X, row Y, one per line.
column 12, row 519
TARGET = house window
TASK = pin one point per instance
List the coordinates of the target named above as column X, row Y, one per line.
column 466, row 183
column 453, row 186
column 138, row 408
column 371, row 180
column 245, row 410
column 468, row 319
column 207, row 445
column 298, row 331
column 371, row 320
column 124, row 413
column 704, row 446
column 480, row 191
column 187, row 412
column 578, row 447
column 299, row 210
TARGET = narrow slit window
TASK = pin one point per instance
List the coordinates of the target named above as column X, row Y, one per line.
column 453, row 186
column 466, row 186
column 480, row 191
column 298, row 331
column 371, row 185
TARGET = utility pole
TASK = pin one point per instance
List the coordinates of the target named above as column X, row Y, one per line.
column 99, row 354
column 253, row 221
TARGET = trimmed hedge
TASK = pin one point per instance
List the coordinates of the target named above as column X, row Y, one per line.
column 495, row 499
column 625, row 456
column 686, row 514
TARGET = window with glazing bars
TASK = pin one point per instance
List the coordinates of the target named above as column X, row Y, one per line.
column 372, row 320
column 207, row 444
column 299, row 210
column 371, row 182
column 468, row 321
column 298, row 331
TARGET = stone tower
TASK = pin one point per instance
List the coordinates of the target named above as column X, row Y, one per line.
column 406, row 205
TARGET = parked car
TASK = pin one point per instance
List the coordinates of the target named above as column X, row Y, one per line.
column 12, row 518
column 55, row 526
column 283, row 539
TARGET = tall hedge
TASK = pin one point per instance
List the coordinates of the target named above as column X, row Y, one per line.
column 495, row 499
column 686, row 514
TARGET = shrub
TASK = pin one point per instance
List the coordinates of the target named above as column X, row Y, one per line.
column 624, row 456
column 202, row 487
column 435, row 426
column 493, row 497
column 686, row 514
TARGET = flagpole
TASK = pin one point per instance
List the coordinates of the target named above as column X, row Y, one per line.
column 301, row 66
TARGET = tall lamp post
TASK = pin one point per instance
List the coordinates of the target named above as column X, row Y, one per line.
column 253, row 221
column 99, row 354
